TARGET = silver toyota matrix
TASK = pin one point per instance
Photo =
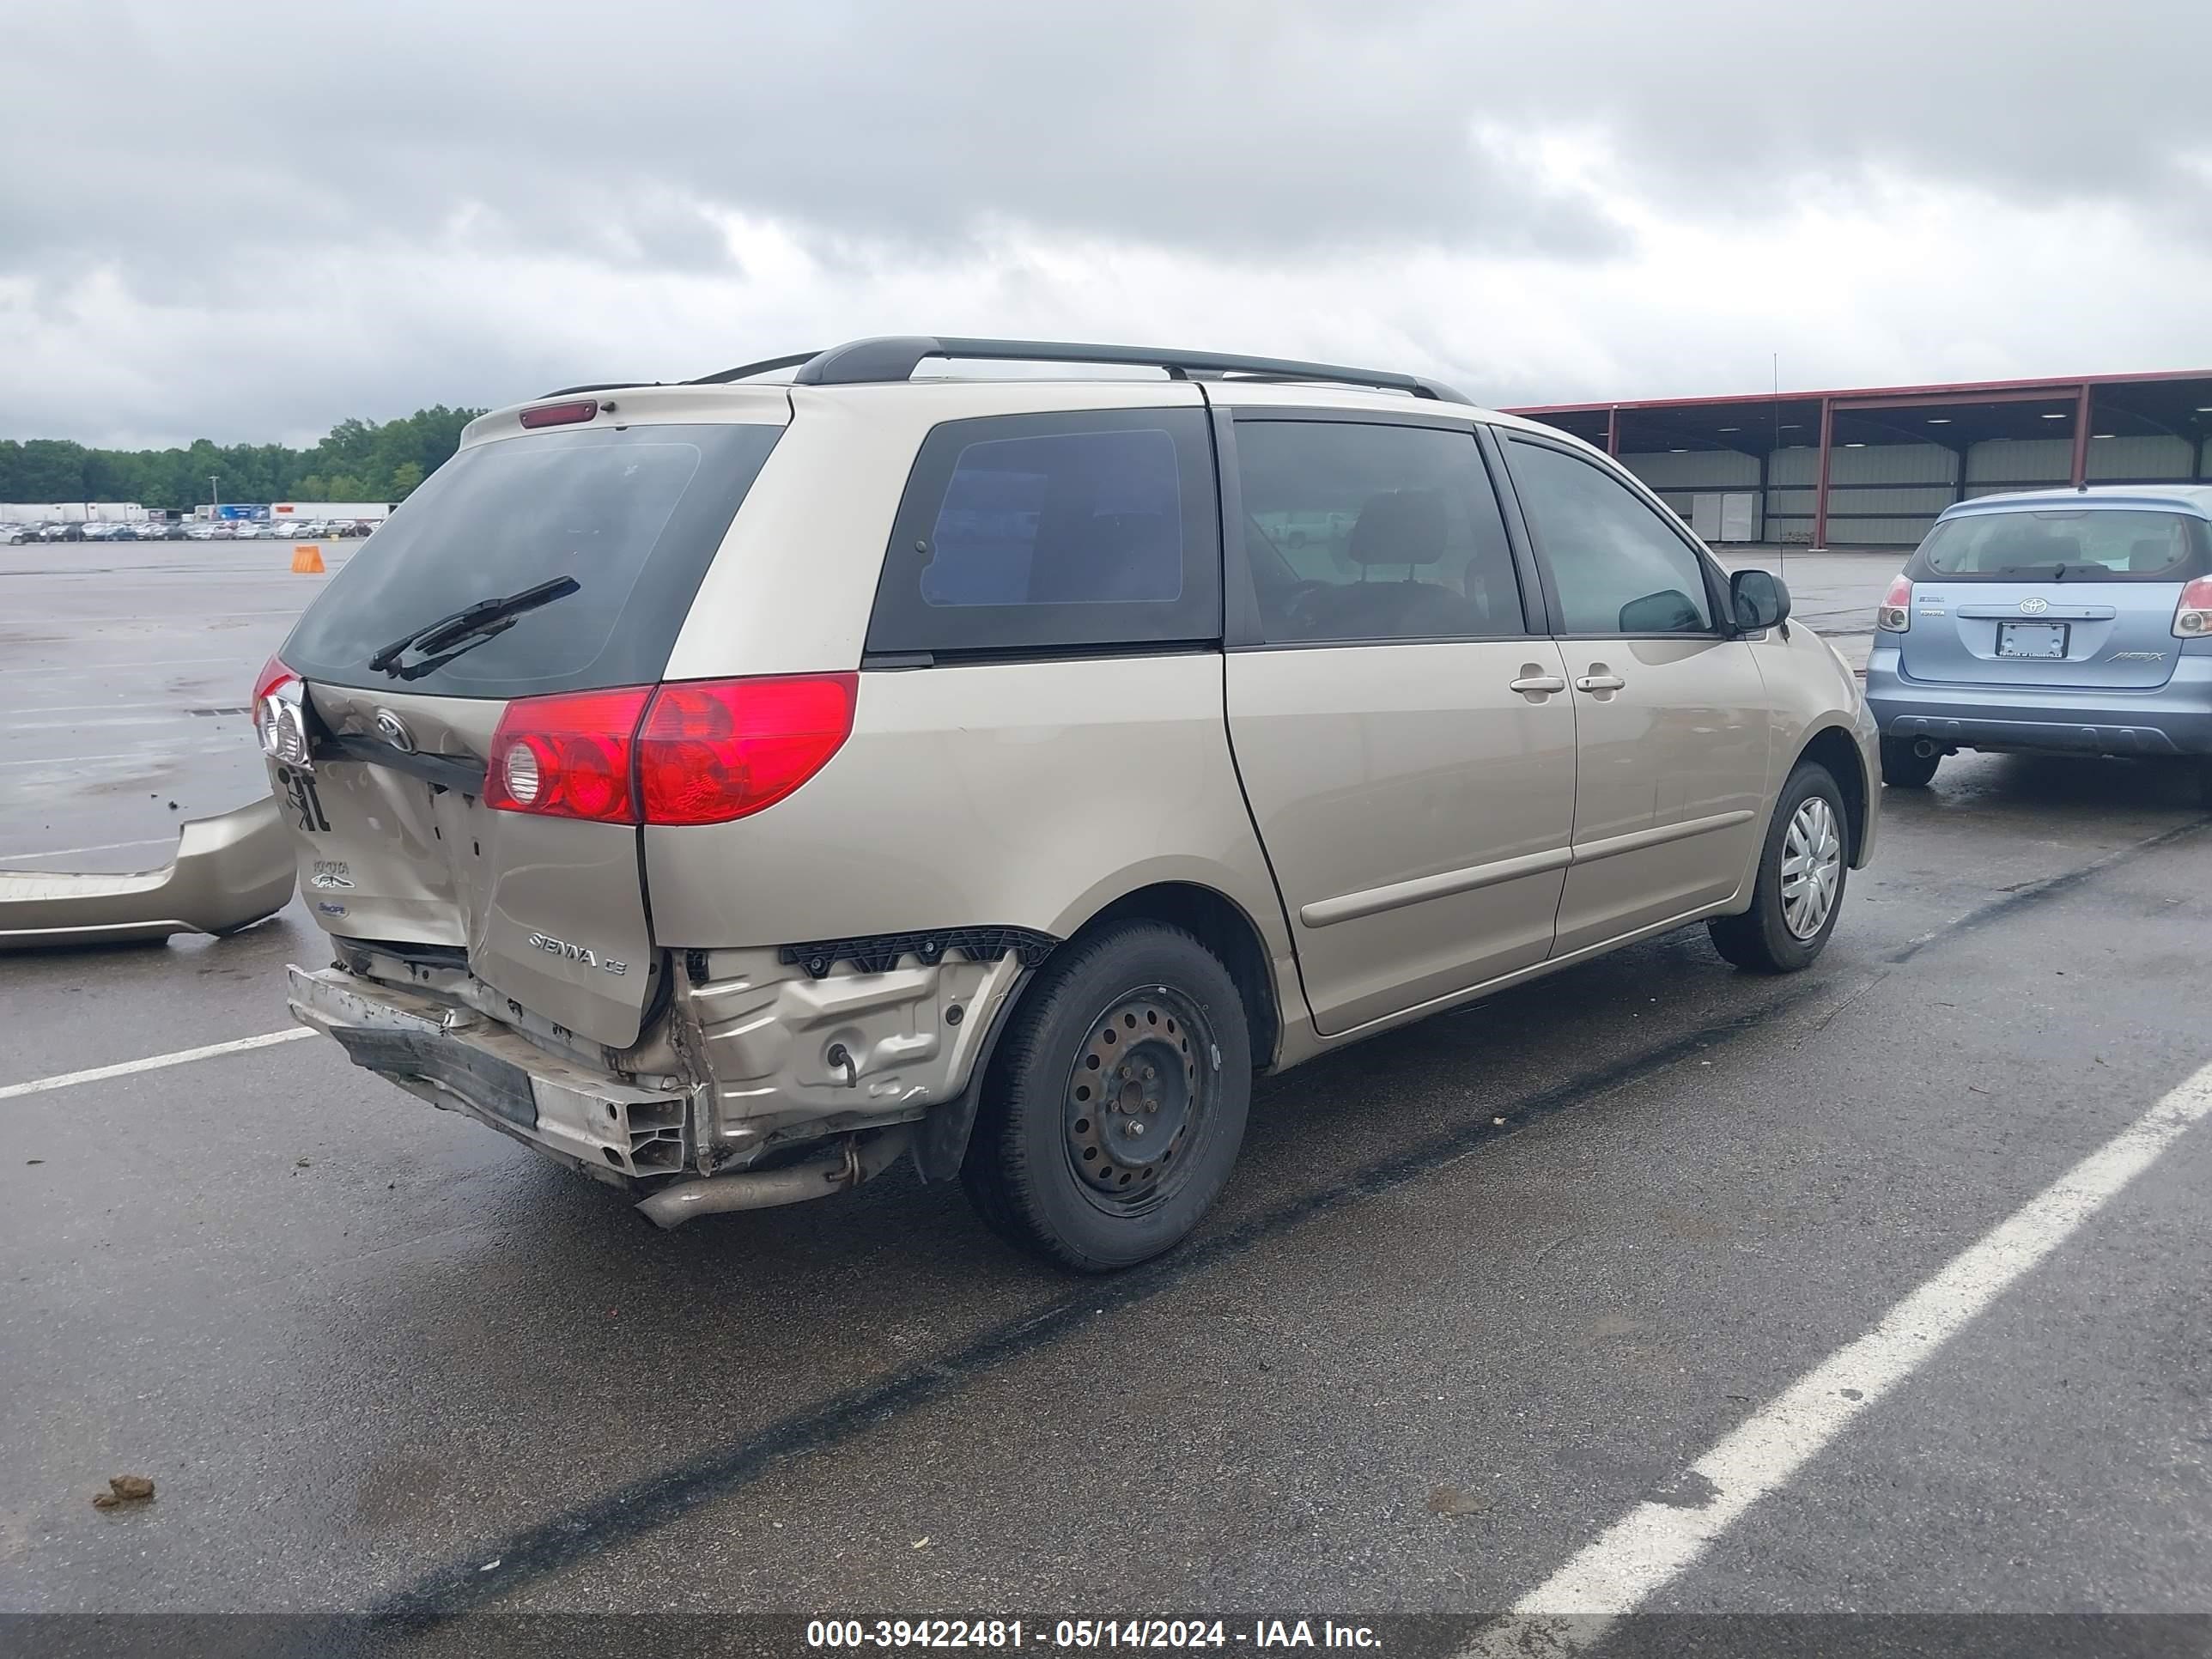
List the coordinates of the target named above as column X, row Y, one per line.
column 729, row 788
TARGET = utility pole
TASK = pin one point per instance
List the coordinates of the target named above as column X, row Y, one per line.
column 215, row 498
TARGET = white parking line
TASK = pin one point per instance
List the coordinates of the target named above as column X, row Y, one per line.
column 170, row 719
column 96, row 709
column 97, row 847
column 128, row 667
column 153, row 1063
column 1655, row 1542
column 167, row 751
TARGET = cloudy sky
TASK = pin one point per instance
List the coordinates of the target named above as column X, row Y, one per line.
column 244, row 221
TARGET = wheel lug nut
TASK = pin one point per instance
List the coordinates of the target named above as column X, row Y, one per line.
column 1136, row 1128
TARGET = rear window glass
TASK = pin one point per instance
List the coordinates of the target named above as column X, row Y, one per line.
column 2063, row 544
column 1046, row 531
column 632, row 516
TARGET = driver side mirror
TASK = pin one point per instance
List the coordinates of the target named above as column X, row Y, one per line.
column 1757, row 600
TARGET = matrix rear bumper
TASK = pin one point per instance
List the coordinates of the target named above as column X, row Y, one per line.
column 2172, row 720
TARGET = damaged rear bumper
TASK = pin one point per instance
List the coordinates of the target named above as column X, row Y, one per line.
column 230, row 871
column 453, row 1058
column 767, row 1080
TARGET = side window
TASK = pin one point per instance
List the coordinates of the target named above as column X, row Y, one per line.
column 1619, row 568
column 1370, row 531
column 1025, row 532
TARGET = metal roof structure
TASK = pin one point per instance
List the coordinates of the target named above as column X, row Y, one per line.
column 1955, row 416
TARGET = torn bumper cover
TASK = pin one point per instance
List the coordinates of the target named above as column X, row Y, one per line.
column 454, row 1058
column 230, row 871
column 768, row 1082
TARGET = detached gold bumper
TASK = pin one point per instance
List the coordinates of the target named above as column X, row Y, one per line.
column 230, row 871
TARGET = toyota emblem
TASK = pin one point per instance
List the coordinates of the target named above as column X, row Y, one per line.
column 2034, row 607
column 393, row 731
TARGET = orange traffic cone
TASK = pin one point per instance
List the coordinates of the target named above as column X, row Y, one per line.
column 307, row 559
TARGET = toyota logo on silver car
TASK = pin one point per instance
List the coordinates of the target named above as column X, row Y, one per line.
column 393, row 731
column 2033, row 607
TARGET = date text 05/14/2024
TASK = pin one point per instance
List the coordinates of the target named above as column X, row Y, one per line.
column 1078, row 1634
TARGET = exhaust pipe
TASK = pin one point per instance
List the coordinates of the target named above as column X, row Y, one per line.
column 1927, row 749
column 855, row 1160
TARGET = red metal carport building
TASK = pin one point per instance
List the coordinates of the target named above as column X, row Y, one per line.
column 1873, row 466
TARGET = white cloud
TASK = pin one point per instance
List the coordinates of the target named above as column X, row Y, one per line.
column 489, row 201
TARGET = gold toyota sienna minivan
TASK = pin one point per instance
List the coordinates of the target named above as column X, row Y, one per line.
column 729, row 789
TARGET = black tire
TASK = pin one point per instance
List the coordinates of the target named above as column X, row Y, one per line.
column 1761, row 940
column 2204, row 765
column 1903, row 769
column 1176, row 1016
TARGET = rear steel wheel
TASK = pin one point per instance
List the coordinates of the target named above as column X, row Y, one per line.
column 1114, row 1107
column 1136, row 1097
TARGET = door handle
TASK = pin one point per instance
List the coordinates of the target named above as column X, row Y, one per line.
column 1537, row 683
column 1600, row 682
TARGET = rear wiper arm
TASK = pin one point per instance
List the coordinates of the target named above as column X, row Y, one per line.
column 482, row 615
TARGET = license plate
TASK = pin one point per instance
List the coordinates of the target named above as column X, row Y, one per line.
column 2043, row 639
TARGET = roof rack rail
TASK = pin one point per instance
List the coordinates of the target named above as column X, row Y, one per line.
column 894, row 357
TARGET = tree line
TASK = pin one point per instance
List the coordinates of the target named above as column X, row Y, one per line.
column 360, row 461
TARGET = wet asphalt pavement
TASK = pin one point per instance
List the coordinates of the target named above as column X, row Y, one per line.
column 1477, row 1288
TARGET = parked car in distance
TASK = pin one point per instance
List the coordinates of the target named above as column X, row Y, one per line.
column 14, row 535
column 867, row 767
column 2065, row 621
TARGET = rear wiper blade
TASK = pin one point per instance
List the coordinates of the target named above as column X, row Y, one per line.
column 483, row 617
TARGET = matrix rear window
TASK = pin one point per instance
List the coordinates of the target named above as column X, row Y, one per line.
column 1043, row 532
column 2073, row 544
column 634, row 516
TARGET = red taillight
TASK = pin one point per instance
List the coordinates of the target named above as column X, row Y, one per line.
column 712, row 750
column 568, row 756
column 1895, row 615
column 700, row 751
column 2192, row 618
column 561, row 414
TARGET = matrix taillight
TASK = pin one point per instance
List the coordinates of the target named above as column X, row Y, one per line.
column 696, row 752
column 1895, row 614
column 2192, row 618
